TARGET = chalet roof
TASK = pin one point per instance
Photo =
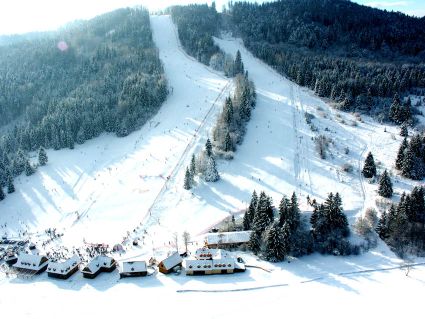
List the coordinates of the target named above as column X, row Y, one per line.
column 236, row 237
column 31, row 262
column 222, row 263
column 63, row 267
column 209, row 253
column 133, row 266
column 100, row 261
column 172, row 261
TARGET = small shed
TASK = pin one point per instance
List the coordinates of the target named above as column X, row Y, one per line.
column 97, row 265
column 168, row 264
column 227, row 239
column 63, row 270
column 133, row 269
column 31, row 264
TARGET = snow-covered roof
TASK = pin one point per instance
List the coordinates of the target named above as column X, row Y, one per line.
column 133, row 266
column 172, row 260
column 100, row 261
column 63, row 267
column 228, row 237
column 31, row 262
column 209, row 253
column 222, row 263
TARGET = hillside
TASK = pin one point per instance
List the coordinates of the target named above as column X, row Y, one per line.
column 358, row 56
column 63, row 88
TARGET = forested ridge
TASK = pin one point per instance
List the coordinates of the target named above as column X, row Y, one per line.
column 358, row 56
column 67, row 87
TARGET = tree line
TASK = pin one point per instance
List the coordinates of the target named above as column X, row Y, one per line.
column 402, row 227
column 196, row 25
column 358, row 56
column 278, row 233
column 101, row 75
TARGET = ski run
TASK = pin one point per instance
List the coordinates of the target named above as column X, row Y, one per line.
column 113, row 188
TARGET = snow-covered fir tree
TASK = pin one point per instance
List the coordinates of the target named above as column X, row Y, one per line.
column 255, row 241
column 385, row 185
column 250, row 213
column 239, row 68
column 10, row 186
column 211, row 173
column 276, row 245
column 42, row 156
column 262, row 215
column 403, row 130
column 187, row 180
column 400, row 155
column 369, row 168
column 29, row 170
column 193, row 166
column 208, row 148
column 2, row 194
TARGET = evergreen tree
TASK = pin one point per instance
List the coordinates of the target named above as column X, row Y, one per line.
column 29, row 170
column 10, row 186
column 228, row 112
column 42, row 157
column 187, row 180
column 228, row 144
column 403, row 130
column 250, row 213
column 262, row 214
column 211, row 173
column 400, row 155
column 283, row 210
column 193, row 167
column 385, row 185
column 255, row 241
column 277, row 246
column 2, row 194
column 408, row 166
column 395, row 113
column 382, row 228
column 208, row 148
column 239, row 68
column 293, row 219
column 369, row 168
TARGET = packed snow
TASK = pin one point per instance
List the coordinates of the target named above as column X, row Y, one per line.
column 111, row 188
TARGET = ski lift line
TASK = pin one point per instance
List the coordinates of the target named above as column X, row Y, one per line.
column 171, row 176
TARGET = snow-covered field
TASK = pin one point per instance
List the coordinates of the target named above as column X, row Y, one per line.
column 111, row 186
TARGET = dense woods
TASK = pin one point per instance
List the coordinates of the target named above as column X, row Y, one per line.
column 278, row 233
column 101, row 75
column 358, row 56
column 196, row 26
column 402, row 227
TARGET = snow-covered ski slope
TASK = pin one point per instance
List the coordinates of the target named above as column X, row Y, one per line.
column 120, row 184
column 104, row 188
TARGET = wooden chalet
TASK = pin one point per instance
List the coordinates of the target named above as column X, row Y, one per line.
column 213, row 261
column 168, row 264
column 97, row 265
column 133, row 269
column 30, row 264
column 63, row 270
column 227, row 239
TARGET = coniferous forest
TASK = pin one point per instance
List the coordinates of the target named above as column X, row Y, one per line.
column 358, row 56
column 66, row 87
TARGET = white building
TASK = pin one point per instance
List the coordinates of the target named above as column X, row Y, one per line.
column 133, row 269
column 213, row 261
